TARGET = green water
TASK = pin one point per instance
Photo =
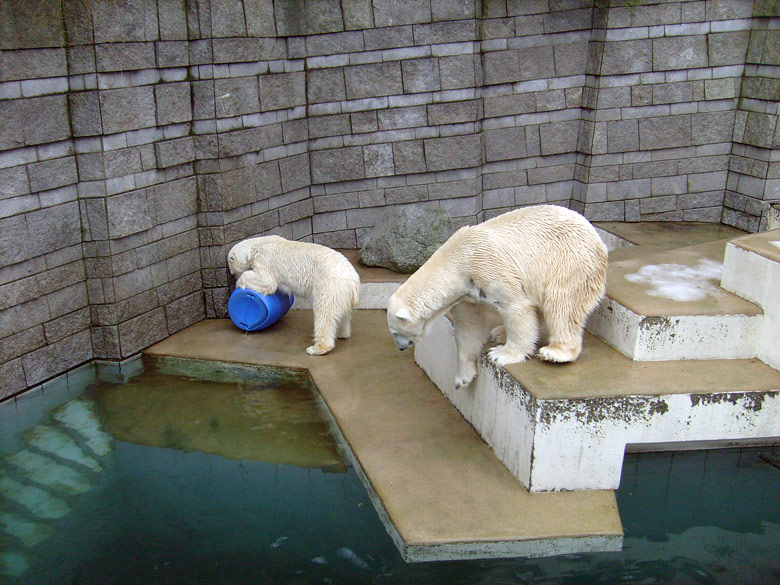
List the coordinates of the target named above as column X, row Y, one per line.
column 169, row 513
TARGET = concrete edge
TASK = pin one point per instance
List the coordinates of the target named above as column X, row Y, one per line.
column 517, row 548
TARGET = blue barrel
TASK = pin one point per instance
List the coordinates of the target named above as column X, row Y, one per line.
column 251, row 311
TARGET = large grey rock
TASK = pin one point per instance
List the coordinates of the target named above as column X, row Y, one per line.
column 405, row 238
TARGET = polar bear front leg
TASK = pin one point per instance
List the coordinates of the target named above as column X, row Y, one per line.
column 472, row 323
column 258, row 281
column 522, row 331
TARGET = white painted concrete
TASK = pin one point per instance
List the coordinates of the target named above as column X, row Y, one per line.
column 39, row 502
column 52, row 440
column 568, row 444
column 611, row 241
column 46, row 471
column 13, row 564
column 757, row 279
column 700, row 337
column 27, row 531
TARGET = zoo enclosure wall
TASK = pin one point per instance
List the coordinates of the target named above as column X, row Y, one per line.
column 141, row 138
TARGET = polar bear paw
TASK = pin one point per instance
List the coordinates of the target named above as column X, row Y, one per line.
column 465, row 377
column 498, row 334
column 558, row 354
column 502, row 355
column 318, row 349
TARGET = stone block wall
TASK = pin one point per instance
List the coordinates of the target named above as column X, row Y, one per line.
column 139, row 139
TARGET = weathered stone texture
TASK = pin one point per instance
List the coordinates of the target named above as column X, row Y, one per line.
column 284, row 90
column 380, row 79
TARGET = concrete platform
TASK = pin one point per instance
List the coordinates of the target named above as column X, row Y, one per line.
column 441, row 491
column 628, row 240
column 669, row 305
column 567, row 427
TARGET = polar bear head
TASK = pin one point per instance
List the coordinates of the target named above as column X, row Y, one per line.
column 405, row 329
column 240, row 258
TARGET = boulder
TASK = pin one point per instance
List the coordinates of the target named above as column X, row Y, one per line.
column 405, row 238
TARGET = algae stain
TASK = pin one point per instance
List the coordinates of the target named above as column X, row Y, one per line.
column 752, row 401
column 592, row 411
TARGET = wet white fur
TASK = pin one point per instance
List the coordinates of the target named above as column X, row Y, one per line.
column 270, row 263
column 544, row 260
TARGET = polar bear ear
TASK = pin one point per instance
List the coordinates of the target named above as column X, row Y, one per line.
column 403, row 314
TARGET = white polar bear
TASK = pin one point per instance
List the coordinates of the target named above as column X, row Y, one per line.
column 544, row 258
column 270, row 263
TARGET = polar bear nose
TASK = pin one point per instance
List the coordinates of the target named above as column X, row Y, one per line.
column 402, row 342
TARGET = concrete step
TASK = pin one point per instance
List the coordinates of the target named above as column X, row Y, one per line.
column 80, row 418
column 37, row 480
column 13, row 563
column 560, row 427
column 53, row 441
column 28, row 532
column 669, row 305
column 752, row 271
column 37, row 501
column 46, row 471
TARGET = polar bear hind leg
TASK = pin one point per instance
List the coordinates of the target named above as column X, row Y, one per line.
column 332, row 318
column 564, row 317
column 325, row 327
column 345, row 327
column 522, row 331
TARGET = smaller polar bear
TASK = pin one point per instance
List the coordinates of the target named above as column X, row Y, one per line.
column 272, row 263
column 545, row 260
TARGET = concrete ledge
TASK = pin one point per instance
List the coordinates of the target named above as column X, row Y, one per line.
column 674, row 337
column 566, row 427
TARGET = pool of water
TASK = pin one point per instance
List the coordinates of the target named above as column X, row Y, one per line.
column 176, row 480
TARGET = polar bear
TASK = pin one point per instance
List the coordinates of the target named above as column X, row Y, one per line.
column 543, row 259
column 270, row 263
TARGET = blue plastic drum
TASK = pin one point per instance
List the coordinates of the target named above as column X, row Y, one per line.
column 251, row 311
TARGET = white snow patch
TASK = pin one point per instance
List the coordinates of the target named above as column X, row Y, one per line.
column 678, row 282
column 775, row 243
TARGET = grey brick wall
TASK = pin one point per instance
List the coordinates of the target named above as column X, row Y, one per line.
column 137, row 145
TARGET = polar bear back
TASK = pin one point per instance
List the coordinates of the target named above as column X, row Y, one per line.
column 302, row 267
column 540, row 247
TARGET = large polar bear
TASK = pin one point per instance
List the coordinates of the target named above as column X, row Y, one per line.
column 270, row 263
column 544, row 258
